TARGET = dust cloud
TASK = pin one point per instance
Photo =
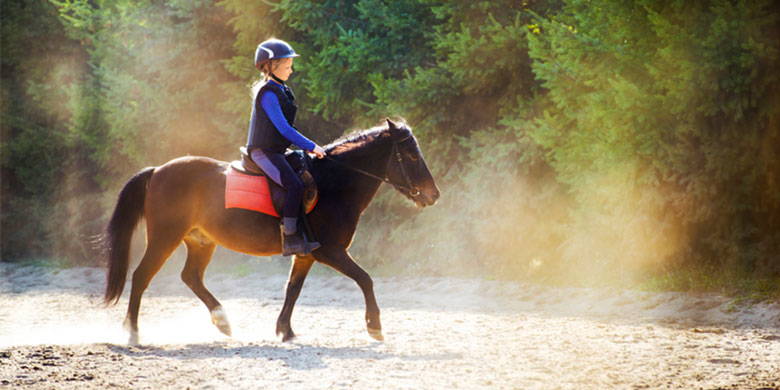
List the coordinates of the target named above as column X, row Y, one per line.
column 508, row 225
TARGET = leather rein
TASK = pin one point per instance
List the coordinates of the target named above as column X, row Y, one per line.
column 409, row 188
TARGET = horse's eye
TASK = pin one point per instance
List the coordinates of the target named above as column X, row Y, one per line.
column 412, row 157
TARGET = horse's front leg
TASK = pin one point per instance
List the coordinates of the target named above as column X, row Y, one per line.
column 341, row 261
column 298, row 271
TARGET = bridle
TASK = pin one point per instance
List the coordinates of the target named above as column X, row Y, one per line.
column 409, row 188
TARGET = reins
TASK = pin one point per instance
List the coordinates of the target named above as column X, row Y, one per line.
column 413, row 191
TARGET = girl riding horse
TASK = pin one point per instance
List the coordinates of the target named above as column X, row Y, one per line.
column 271, row 132
column 183, row 201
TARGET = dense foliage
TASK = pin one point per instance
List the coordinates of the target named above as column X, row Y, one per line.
column 675, row 105
column 601, row 137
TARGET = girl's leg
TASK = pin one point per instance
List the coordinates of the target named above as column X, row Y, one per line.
column 278, row 170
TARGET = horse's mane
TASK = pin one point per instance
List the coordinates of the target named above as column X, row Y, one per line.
column 332, row 177
column 355, row 142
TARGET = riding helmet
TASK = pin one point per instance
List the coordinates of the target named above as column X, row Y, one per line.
column 271, row 49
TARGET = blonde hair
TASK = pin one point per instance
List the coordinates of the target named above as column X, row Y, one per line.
column 266, row 68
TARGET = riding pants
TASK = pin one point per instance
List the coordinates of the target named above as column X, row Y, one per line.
column 277, row 169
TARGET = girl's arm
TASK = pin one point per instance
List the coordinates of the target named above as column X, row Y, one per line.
column 271, row 106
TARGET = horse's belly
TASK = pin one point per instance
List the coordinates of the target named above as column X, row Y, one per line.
column 242, row 230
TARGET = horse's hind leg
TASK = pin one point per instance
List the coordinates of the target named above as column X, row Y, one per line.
column 199, row 252
column 159, row 248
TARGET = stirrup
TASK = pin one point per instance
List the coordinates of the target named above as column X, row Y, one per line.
column 296, row 244
column 311, row 246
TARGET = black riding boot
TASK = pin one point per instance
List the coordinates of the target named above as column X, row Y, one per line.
column 293, row 242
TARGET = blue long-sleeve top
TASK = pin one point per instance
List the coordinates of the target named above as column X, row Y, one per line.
column 270, row 104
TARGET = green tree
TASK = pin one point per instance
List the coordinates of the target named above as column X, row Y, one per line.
column 663, row 113
column 158, row 67
column 40, row 70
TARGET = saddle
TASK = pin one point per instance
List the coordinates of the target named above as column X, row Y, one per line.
column 248, row 187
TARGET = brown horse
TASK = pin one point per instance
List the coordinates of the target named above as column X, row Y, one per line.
column 184, row 200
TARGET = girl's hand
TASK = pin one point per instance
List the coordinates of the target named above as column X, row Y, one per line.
column 318, row 151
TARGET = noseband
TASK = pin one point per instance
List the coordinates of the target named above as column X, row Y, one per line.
column 411, row 190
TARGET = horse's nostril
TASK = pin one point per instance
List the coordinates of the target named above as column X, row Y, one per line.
column 433, row 197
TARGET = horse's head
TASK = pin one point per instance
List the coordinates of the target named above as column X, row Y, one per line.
column 407, row 170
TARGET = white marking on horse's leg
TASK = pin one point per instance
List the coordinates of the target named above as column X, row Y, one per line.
column 132, row 340
column 219, row 318
column 132, row 334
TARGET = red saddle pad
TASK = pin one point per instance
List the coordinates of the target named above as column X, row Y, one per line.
column 248, row 192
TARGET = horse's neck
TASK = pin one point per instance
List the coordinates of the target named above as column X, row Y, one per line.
column 361, row 187
column 367, row 186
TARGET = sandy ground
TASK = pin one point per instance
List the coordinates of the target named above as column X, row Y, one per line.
column 440, row 333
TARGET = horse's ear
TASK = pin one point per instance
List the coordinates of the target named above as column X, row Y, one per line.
column 391, row 124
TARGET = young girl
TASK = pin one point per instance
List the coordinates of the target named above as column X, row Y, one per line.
column 271, row 132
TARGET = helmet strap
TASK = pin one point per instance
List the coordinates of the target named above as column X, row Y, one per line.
column 278, row 80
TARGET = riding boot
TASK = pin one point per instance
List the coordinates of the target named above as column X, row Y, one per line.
column 293, row 242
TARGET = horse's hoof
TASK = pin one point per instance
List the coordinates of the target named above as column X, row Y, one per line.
column 376, row 334
column 219, row 318
column 225, row 329
column 287, row 336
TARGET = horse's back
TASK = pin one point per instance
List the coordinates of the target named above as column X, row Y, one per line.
column 194, row 165
column 188, row 193
column 179, row 188
column 182, row 176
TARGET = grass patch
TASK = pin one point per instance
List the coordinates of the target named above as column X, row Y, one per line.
column 743, row 286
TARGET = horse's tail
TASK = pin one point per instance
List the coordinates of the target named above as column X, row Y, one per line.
column 128, row 212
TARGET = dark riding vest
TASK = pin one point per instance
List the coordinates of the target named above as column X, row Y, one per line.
column 262, row 132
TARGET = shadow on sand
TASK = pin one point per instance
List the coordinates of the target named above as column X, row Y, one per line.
column 294, row 356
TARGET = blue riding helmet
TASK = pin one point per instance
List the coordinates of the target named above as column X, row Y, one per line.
column 271, row 49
